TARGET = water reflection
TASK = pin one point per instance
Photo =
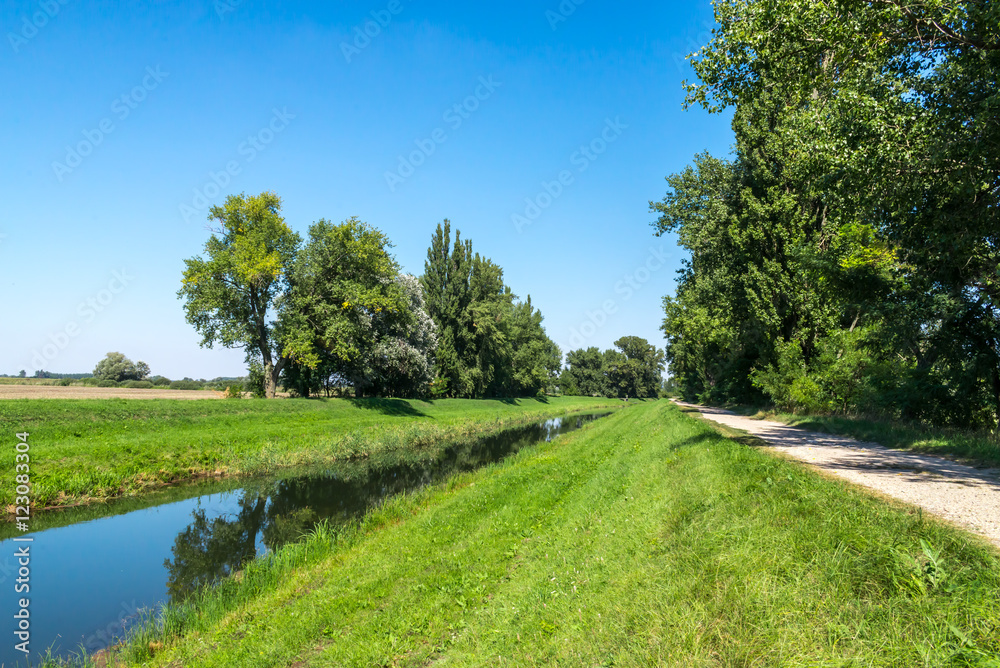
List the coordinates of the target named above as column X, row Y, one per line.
column 274, row 514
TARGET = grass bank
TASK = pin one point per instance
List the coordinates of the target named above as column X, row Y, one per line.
column 87, row 450
column 975, row 447
column 643, row 539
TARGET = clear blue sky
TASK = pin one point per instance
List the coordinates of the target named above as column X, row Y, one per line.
column 114, row 123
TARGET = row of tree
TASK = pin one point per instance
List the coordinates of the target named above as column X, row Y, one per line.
column 489, row 343
column 633, row 369
column 337, row 311
column 847, row 257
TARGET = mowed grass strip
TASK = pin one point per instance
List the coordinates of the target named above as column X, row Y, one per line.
column 643, row 539
column 87, row 450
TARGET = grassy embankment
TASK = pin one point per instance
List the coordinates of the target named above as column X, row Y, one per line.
column 975, row 447
column 87, row 450
column 644, row 539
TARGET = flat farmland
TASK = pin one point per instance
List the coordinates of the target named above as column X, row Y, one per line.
column 82, row 392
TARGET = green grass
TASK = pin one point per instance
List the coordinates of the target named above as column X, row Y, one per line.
column 977, row 447
column 643, row 539
column 87, row 450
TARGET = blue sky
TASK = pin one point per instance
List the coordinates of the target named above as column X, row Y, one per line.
column 120, row 128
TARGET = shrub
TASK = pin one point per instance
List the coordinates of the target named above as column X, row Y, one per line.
column 160, row 381
column 234, row 391
column 107, row 383
column 255, row 380
column 65, row 382
column 185, row 385
column 89, row 382
column 138, row 385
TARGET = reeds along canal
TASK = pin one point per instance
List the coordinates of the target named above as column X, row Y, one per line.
column 100, row 568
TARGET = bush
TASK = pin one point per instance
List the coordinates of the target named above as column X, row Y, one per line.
column 107, row 383
column 439, row 388
column 138, row 385
column 234, row 391
column 65, row 382
column 160, row 381
column 185, row 385
column 89, row 382
column 255, row 381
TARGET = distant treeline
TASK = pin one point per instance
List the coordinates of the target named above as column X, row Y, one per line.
column 219, row 384
column 48, row 374
column 633, row 369
column 847, row 257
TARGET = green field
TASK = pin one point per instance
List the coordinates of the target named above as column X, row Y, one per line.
column 87, row 450
column 644, row 539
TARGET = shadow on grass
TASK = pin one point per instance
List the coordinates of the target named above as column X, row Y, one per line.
column 395, row 407
column 516, row 401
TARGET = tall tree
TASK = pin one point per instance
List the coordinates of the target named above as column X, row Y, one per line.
column 585, row 372
column 447, row 294
column 862, row 210
column 401, row 363
column 536, row 358
column 635, row 369
column 344, row 288
column 489, row 343
column 232, row 297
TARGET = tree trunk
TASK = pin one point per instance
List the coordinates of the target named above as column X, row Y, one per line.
column 272, row 373
column 996, row 393
column 270, row 382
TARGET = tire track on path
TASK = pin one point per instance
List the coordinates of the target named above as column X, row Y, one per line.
column 962, row 494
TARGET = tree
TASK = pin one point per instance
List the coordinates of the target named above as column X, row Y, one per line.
column 635, row 369
column 857, row 223
column 447, row 294
column 118, row 368
column 584, row 373
column 344, row 295
column 401, row 363
column 536, row 358
column 234, row 296
column 490, row 344
column 22, row 374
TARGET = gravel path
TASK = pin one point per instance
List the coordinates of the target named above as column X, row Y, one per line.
column 967, row 496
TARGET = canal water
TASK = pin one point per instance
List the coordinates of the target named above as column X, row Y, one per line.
column 97, row 570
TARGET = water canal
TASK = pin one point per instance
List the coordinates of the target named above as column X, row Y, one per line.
column 97, row 569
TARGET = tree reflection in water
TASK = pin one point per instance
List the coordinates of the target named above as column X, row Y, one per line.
column 284, row 511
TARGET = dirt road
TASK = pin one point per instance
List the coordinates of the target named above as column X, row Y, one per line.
column 965, row 495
